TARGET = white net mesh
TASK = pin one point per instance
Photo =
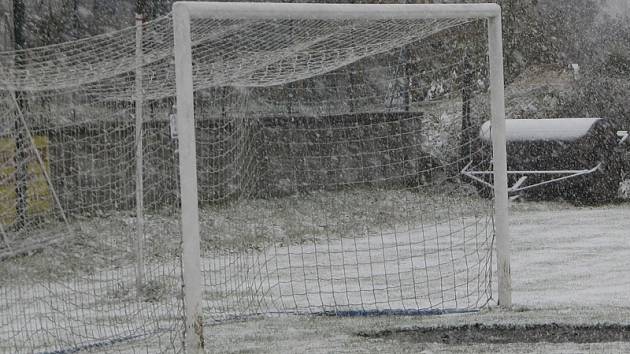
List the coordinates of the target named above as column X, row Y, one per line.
column 330, row 173
column 328, row 168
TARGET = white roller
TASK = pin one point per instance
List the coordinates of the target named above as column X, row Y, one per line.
column 557, row 129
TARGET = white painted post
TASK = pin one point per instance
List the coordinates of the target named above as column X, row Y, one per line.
column 497, row 105
column 139, row 100
column 191, row 257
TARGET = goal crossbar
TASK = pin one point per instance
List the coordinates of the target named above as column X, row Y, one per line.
column 311, row 11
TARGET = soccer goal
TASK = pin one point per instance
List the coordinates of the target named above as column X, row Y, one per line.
column 320, row 147
column 238, row 160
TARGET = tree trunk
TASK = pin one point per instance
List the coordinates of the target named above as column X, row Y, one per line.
column 141, row 7
column 21, row 164
column 466, row 148
column 76, row 23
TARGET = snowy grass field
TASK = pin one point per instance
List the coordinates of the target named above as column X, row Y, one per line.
column 569, row 266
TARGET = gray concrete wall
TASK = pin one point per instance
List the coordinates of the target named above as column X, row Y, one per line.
column 93, row 166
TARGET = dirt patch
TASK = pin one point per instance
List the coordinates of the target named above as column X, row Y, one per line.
column 503, row 334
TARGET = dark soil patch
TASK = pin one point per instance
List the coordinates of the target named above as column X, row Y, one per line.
column 503, row 334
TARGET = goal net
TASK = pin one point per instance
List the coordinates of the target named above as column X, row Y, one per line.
column 321, row 150
column 297, row 164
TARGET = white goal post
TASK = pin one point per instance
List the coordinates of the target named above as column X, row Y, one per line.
column 186, row 12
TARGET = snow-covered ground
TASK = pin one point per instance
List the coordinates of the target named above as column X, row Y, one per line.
column 569, row 265
column 577, row 257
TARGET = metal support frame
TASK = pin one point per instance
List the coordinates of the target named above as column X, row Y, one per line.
column 139, row 103
column 184, row 11
column 566, row 174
